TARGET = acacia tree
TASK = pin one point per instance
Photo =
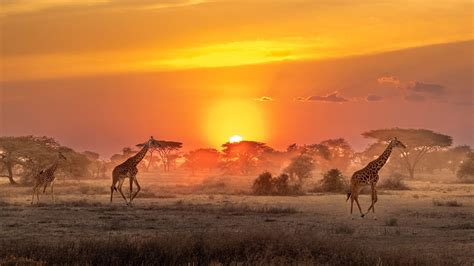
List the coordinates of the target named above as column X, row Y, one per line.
column 243, row 157
column 418, row 142
column 340, row 153
column 25, row 156
column 300, row 167
column 165, row 149
column 201, row 159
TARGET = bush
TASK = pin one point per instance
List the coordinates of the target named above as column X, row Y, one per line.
column 391, row 222
column 466, row 169
column 265, row 184
column 394, row 182
column 333, row 181
column 449, row 203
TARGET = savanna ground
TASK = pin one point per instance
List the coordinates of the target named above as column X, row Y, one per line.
column 181, row 220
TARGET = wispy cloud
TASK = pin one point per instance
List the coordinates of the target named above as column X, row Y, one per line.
column 389, row 80
column 332, row 97
column 28, row 6
column 421, row 87
column 264, row 99
column 413, row 97
column 373, row 98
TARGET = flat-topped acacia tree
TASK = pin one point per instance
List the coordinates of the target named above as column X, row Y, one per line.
column 418, row 141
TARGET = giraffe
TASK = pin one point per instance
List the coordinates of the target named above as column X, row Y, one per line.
column 128, row 169
column 369, row 176
column 46, row 177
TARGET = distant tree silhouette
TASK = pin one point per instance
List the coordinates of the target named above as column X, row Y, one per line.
column 466, row 169
column 243, row 157
column 418, row 141
column 300, row 167
column 200, row 159
column 25, row 156
column 457, row 155
column 340, row 153
column 165, row 149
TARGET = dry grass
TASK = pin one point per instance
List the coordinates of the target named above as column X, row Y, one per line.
column 256, row 247
column 169, row 224
column 448, row 203
column 391, row 222
column 393, row 182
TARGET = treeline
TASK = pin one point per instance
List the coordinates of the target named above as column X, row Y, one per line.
column 427, row 152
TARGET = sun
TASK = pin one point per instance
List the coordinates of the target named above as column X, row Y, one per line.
column 234, row 118
column 235, row 138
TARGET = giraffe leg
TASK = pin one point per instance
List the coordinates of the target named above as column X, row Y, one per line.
column 373, row 197
column 352, row 206
column 112, row 188
column 138, row 187
column 131, row 190
column 356, row 198
column 37, row 195
column 34, row 192
column 120, row 190
column 52, row 192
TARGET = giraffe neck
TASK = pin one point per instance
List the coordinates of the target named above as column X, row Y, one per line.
column 53, row 167
column 382, row 159
column 136, row 159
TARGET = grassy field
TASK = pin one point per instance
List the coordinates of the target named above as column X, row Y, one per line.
column 177, row 220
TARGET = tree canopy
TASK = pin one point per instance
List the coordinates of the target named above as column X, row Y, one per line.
column 418, row 142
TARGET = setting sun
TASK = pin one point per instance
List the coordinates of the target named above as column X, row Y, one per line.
column 235, row 138
column 236, row 118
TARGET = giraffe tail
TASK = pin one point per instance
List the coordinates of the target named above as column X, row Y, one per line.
column 348, row 196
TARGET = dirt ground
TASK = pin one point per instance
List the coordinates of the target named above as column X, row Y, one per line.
column 430, row 219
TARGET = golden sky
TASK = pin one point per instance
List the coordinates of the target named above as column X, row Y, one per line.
column 52, row 38
column 200, row 71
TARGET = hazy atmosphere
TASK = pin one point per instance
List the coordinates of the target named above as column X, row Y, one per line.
column 241, row 132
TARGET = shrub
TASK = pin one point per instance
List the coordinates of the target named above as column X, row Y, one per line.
column 333, row 181
column 449, row 203
column 391, row 222
column 466, row 169
column 265, row 184
column 394, row 182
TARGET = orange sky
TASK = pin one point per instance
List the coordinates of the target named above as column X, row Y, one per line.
column 101, row 74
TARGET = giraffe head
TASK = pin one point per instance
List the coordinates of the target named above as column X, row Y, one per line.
column 152, row 142
column 394, row 143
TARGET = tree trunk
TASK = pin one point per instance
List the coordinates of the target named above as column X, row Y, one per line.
column 411, row 171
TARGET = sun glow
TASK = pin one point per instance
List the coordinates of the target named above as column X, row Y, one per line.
column 236, row 118
column 235, row 138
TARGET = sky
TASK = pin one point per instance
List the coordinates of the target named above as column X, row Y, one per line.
column 100, row 74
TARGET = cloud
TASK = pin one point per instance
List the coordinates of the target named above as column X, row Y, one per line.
column 388, row 80
column 29, row 6
column 373, row 98
column 300, row 99
column 264, row 99
column 333, row 97
column 413, row 97
column 420, row 87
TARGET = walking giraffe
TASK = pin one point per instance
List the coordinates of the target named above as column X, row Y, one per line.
column 369, row 176
column 128, row 169
column 46, row 177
